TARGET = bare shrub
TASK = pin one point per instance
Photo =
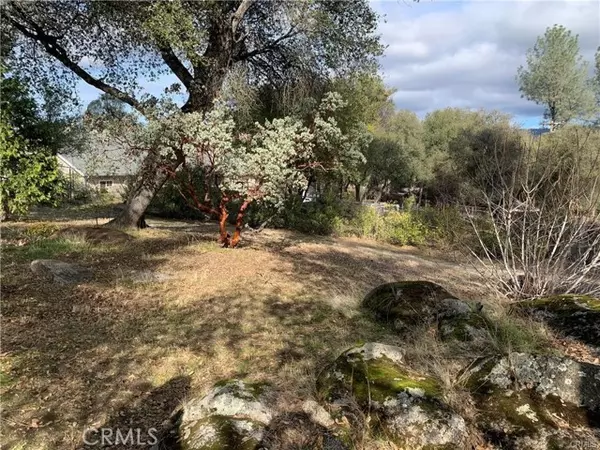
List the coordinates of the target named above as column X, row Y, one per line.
column 542, row 212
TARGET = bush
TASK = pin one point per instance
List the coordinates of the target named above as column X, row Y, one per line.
column 446, row 224
column 347, row 218
column 401, row 228
column 360, row 221
column 394, row 227
column 38, row 231
column 539, row 216
column 320, row 217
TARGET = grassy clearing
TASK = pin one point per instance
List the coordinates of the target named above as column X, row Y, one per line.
column 113, row 353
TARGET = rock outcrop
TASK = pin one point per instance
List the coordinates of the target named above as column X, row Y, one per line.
column 239, row 415
column 516, row 401
column 573, row 316
column 233, row 415
column 406, row 304
column 407, row 405
column 537, row 402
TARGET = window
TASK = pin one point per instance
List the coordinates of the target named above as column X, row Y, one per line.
column 105, row 184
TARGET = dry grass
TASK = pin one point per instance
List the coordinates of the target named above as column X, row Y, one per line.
column 115, row 353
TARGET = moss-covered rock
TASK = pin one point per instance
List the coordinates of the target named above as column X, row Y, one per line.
column 465, row 324
column 233, row 415
column 572, row 315
column 222, row 432
column 406, row 304
column 531, row 402
column 406, row 405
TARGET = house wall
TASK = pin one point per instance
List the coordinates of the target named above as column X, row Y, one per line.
column 112, row 184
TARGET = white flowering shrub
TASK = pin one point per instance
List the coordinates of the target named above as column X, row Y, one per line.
column 262, row 166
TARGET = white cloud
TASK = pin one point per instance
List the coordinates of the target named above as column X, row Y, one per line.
column 467, row 53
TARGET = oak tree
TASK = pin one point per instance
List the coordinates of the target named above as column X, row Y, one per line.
column 118, row 46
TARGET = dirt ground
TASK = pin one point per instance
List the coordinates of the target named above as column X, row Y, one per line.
column 112, row 352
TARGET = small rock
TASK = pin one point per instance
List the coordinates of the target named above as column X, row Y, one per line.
column 451, row 307
column 375, row 350
column 317, row 413
column 472, row 326
column 60, row 272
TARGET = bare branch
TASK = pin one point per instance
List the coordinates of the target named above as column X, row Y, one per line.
column 174, row 63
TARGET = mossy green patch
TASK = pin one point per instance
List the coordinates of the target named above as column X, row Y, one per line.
column 525, row 413
column 252, row 389
column 466, row 327
column 515, row 412
column 373, row 380
column 576, row 316
column 5, row 379
column 562, row 303
column 44, row 249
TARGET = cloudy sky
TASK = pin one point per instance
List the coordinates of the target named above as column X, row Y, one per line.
column 464, row 53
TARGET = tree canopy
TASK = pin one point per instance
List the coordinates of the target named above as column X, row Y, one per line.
column 557, row 77
column 116, row 46
column 28, row 142
column 113, row 46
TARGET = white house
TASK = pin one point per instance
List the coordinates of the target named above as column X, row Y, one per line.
column 103, row 169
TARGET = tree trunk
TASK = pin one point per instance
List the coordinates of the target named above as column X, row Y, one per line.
column 224, row 237
column 5, row 213
column 151, row 177
column 204, row 89
column 239, row 221
column 357, row 192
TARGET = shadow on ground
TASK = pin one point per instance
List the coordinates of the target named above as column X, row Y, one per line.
column 148, row 421
column 114, row 353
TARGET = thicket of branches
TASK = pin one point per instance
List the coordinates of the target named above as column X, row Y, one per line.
column 542, row 203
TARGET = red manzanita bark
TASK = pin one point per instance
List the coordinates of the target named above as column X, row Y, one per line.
column 239, row 221
column 221, row 212
column 224, row 237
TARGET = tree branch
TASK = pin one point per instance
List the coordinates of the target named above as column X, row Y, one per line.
column 237, row 17
column 169, row 57
column 51, row 45
column 268, row 46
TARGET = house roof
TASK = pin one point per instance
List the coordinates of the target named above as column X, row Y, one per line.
column 102, row 160
column 65, row 160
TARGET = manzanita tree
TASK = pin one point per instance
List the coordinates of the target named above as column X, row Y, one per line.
column 238, row 167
